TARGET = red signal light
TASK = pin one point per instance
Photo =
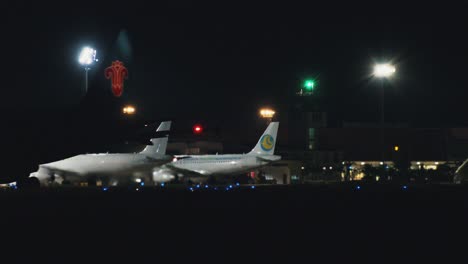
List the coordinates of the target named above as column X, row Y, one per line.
column 197, row 129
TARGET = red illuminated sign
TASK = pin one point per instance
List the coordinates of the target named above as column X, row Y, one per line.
column 116, row 73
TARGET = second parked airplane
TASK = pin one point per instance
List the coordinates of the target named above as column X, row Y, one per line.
column 200, row 167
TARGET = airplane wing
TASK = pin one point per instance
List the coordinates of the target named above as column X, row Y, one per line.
column 270, row 158
column 160, row 160
column 185, row 172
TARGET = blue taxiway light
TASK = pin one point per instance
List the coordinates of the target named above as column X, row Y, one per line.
column 198, row 185
column 206, row 186
column 162, row 184
column 230, row 186
column 142, row 184
column 252, row 187
column 104, row 189
column 237, row 184
column 358, row 187
column 405, row 187
column 191, row 189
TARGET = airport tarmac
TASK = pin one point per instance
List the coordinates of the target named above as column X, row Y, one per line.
column 331, row 222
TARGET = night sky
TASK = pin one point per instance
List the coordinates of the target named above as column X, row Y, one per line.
column 217, row 60
column 221, row 62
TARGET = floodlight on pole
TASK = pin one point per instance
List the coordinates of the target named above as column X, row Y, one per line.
column 129, row 110
column 267, row 113
column 87, row 58
column 383, row 71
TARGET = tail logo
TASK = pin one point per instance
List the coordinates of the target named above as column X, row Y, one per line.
column 267, row 142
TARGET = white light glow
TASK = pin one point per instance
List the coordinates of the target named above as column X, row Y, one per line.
column 87, row 56
column 384, row 70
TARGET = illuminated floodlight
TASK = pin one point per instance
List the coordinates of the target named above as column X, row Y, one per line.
column 129, row 110
column 87, row 56
column 267, row 113
column 384, row 70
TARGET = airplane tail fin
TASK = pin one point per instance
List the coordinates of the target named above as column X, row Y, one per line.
column 266, row 143
column 159, row 145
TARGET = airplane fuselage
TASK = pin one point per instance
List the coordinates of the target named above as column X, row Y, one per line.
column 101, row 166
column 222, row 164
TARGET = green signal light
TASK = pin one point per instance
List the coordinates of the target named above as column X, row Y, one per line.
column 309, row 85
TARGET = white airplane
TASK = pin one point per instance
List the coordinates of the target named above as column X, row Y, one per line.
column 200, row 167
column 104, row 168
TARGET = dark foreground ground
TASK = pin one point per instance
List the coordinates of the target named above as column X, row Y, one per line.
column 293, row 224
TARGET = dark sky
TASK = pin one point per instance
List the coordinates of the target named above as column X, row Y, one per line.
column 218, row 60
column 217, row 63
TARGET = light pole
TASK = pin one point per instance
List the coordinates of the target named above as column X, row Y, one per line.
column 87, row 58
column 383, row 71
